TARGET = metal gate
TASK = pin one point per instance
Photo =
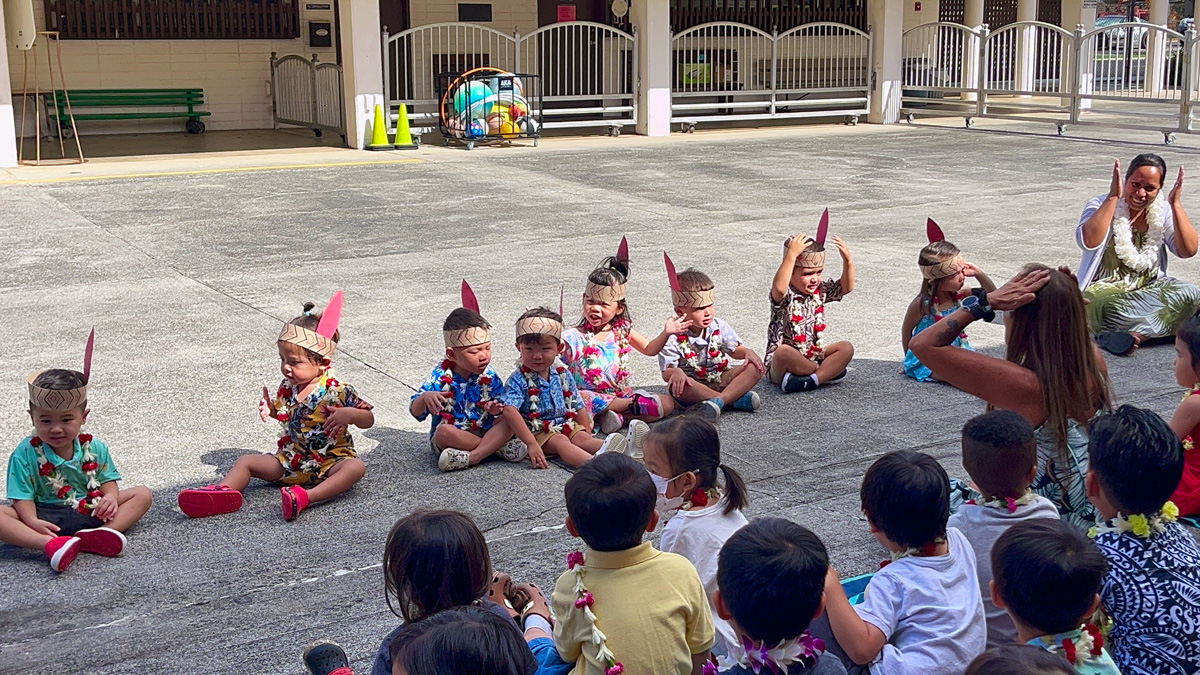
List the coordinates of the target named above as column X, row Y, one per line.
column 726, row 71
column 306, row 93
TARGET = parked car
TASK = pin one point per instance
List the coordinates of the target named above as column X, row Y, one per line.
column 1115, row 39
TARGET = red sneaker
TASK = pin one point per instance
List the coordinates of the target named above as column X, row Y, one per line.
column 62, row 552
column 295, row 500
column 210, row 500
column 103, row 541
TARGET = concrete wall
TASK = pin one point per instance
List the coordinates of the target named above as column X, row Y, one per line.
column 507, row 15
column 928, row 13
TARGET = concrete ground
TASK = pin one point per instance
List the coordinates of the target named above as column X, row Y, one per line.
column 187, row 278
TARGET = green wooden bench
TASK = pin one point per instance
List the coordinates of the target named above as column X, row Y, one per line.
column 168, row 102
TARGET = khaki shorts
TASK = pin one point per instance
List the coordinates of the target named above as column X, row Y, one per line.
column 543, row 436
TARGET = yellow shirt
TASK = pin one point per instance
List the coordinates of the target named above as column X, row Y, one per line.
column 651, row 606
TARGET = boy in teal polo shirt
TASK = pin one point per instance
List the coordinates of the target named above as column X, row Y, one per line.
column 63, row 484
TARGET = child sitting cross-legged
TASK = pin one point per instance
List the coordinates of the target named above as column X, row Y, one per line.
column 63, row 484
column 1048, row 576
column 541, row 401
column 771, row 585
column 922, row 612
column 999, row 452
column 697, row 364
column 1152, row 589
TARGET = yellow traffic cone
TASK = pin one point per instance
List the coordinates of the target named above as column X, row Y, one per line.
column 379, row 136
column 404, row 139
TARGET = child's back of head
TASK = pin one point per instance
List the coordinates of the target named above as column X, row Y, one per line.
column 1048, row 575
column 771, row 578
column 999, row 452
column 1020, row 660
column 1137, row 459
column 610, row 501
column 435, row 560
column 462, row 641
column 906, row 496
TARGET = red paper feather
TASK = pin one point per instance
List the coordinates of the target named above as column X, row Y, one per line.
column 933, row 232
column 562, row 294
column 822, row 229
column 87, row 355
column 468, row 297
column 331, row 317
column 623, row 250
column 672, row 278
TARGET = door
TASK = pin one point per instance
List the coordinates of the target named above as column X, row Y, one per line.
column 570, row 59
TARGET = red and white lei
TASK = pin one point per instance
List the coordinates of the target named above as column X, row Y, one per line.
column 572, row 400
column 298, row 457
column 63, row 491
column 816, row 348
column 592, row 370
column 583, row 602
column 1087, row 646
column 486, row 390
column 718, row 360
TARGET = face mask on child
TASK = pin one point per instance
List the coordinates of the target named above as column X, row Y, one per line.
column 664, row 504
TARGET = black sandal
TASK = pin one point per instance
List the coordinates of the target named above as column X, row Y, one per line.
column 327, row 658
column 1118, row 343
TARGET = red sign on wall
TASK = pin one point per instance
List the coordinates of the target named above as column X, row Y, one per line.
column 566, row 13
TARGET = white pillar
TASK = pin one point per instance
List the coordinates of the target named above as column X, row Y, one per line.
column 1026, row 45
column 972, row 17
column 8, row 131
column 652, row 21
column 1156, row 48
column 886, row 21
column 362, row 68
column 1080, row 14
column 973, row 13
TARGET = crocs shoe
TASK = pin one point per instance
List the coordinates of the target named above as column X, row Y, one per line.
column 748, row 402
column 327, row 658
column 103, row 541
column 295, row 500
column 710, row 409
column 62, row 552
column 635, row 438
column 647, row 404
column 794, row 383
column 454, row 460
column 210, row 500
column 613, row 443
column 514, row 451
column 609, row 422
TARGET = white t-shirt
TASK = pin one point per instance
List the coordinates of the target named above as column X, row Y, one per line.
column 982, row 526
column 930, row 611
column 698, row 535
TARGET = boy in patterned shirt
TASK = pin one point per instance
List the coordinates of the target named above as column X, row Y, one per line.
column 1152, row 589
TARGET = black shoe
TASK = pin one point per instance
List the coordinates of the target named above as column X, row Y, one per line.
column 1119, row 343
column 794, row 383
column 327, row 658
column 837, row 377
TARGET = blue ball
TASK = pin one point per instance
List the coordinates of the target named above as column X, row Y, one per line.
column 469, row 94
column 477, row 128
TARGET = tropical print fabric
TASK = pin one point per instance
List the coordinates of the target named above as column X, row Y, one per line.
column 305, row 452
column 1122, row 299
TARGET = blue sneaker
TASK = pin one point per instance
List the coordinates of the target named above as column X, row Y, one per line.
column 748, row 402
column 710, row 409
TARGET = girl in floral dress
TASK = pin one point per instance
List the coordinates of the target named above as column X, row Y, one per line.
column 597, row 351
column 943, row 273
column 1186, row 422
column 315, row 459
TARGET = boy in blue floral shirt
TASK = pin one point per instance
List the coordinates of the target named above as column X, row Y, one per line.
column 542, row 404
column 1152, row 589
column 463, row 396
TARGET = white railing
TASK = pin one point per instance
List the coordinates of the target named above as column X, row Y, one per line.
column 727, row 71
column 1126, row 75
column 307, row 93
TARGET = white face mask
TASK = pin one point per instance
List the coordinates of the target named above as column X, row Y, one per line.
column 664, row 504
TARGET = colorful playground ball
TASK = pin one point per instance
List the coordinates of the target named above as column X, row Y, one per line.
column 509, row 129
column 471, row 93
column 477, row 128
column 456, row 125
column 494, row 121
column 518, row 110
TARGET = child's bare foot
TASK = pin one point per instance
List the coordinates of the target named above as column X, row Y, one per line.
column 501, row 590
column 537, row 603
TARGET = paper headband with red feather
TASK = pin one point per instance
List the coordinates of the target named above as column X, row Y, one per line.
column 682, row 298
column 473, row 335
column 617, row 293
column 543, row 325
column 64, row 399
column 813, row 257
column 944, row 268
column 320, row 341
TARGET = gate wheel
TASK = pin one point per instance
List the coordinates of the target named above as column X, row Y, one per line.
column 1169, row 138
column 970, row 122
column 909, row 118
column 1062, row 130
column 194, row 127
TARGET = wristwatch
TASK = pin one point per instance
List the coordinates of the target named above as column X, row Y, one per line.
column 978, row 307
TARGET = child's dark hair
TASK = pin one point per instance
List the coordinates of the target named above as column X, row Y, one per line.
column 906, row 495
column 1020, row 660
column 1189, row 335
column 998, row 452
column 1048, row 574
column 693, row 279
column 610, row 272
column 537, row 312
column 611, row 500
column 692, row 444
column 771, row 574
column 310, row 320
column 60, row 379
column 463, row 318
column 462, row 641
column 1148, row 159
column 934, row 253
column 434, row 560
column 1137, row 458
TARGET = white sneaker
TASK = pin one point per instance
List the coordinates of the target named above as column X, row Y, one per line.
column 609, row 422
column 613, row 443
column 635, row 438
column 454, row 460
column 515, row 450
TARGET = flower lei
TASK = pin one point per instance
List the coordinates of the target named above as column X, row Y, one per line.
column 1139, row 524
column 584, row 601
column 486, row 390
column 925, row 551
column 1007, row 503
column 589, row 359
column 1146, row 257
column 718, row 358
column 701, row 498
column 63, row 491
column 298, row 457
column 1090, row 642
column 815, row 348
column 957, row 304
column 757, row 656
column 573, row 402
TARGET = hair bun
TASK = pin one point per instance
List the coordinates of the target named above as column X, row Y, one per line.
column 308, row 307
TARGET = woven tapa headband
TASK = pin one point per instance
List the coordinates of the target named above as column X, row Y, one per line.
column 945, row 268
column 681, row 298
column 319, row 341
column 474, row 335
column 602, row 293
column 542, row 325
column 64, row 399
column 813, row 257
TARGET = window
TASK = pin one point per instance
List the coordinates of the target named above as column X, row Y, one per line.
column 173, row 19
column 479, row 12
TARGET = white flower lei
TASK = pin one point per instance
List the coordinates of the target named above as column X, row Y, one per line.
column 816, row 347
column 1008, row 503
column 486, row 389
column 583, row 602
column 719, row 359
column 63, row 491
column 573, row 401
column 1139, row 524
column 757, row 656
column 1147, row 257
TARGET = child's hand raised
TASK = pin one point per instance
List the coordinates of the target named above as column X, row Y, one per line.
column 677, row 324
column 338, row 421
column 970, row 270
column 842, row 248
column 537, row 457
column 796, row 245
column 264, row 406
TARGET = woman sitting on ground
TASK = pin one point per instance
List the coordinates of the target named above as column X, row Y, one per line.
column 1125, row 236
column 1053, row 375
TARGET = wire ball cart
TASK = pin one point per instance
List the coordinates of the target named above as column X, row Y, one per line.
column 489, row 105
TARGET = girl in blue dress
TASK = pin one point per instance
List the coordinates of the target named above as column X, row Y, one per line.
column 943, row 273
